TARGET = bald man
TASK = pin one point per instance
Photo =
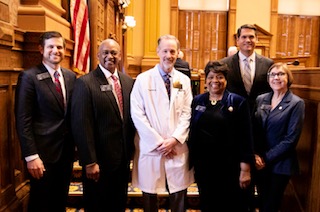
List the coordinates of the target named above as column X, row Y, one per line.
column 103, row 131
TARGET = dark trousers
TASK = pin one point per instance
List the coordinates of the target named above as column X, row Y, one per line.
column 111, row 190
column 178, row 201
column 271, row 188
column 50, row 193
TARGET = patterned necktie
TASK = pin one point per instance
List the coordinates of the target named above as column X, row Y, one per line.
column 167, row 83
column 247, row 75
column 58, row 85
column 117, row 89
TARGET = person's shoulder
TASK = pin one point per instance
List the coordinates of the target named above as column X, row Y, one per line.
column 264, row 58
column 230, row 58
column 68, row 71
column 262, row 96
column 125, row 76
column 31, row 72
column 146, row 73
column 236, row 97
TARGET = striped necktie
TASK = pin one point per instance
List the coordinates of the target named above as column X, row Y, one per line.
column 167, row 84
column 58, row 86
column 247, row 75
column 118, row 92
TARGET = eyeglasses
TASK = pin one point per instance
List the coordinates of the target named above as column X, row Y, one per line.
column 273, row 75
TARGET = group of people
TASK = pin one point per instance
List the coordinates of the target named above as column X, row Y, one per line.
column 228, row 140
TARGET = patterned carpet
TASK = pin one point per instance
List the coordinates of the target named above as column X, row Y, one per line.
column 76, row 188
column 134, row 203
column 131, row 210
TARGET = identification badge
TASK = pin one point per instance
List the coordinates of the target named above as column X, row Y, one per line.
column 43, row 76
column 106, row 87
column 200, row 108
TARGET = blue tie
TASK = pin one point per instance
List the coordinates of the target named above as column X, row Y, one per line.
column 167, row 83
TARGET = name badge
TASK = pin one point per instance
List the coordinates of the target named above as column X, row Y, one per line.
column 43, row 76
column 200, row 108
column 106, row 87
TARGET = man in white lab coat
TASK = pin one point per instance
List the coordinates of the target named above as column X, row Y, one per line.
column 161, row 117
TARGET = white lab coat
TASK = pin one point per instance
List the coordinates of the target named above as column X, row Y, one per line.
column 156, row 118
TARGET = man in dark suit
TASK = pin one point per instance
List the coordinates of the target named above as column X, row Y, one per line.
column 259, row 65
column 182, row 65
column 43, row 125
column 103, row 131
column 258, row 84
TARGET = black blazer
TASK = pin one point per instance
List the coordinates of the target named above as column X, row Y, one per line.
column 42, row 123
column 100, row 134
column 260, row 84
column 183, row 66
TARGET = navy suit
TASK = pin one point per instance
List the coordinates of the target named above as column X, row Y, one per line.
column 43, row 128
column 277, row 133
column 218, row 142
column 183, row 66
column 103, row 137
column 259, row 85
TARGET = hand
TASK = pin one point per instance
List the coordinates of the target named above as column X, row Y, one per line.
column 167, row 147
column 260, row 164
column 244, row 179
column 36, row 168
column 93, row 171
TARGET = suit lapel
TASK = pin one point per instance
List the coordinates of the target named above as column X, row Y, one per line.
column 125, row 93
column 281, row 107
column 102, row 82
column 51, row 85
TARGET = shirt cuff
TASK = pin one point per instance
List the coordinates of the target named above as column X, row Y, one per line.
column 31, row 157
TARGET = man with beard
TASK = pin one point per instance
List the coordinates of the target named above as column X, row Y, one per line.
column 161, row 110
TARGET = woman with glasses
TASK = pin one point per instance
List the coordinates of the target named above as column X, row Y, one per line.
column 278, row 124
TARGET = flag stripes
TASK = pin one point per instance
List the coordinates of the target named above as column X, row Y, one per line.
column 81, row 35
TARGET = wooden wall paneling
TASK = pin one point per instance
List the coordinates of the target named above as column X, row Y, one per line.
column 8, row 199
column 273, row 27
column 314, row 42
column 109, row 16
column 306, row 185
column 298, row 36
column 208, row 38
column 202, row 35
column 221, row 28
column 106, row 22
column 284, row 36
column 174, row 18
column 231, row 23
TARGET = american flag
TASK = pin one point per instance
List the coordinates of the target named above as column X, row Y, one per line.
column 81, row 34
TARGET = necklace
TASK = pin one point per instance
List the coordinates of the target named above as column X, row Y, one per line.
column 214, row 102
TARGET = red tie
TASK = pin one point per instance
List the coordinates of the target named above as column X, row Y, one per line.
column 118, row 93
column 58, row 85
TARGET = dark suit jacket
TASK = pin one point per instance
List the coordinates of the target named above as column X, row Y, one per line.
column 183, row 66
column 100, row 133
column 234, row 110
column 277, row 132
column 260, row 84
column 42, row 123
